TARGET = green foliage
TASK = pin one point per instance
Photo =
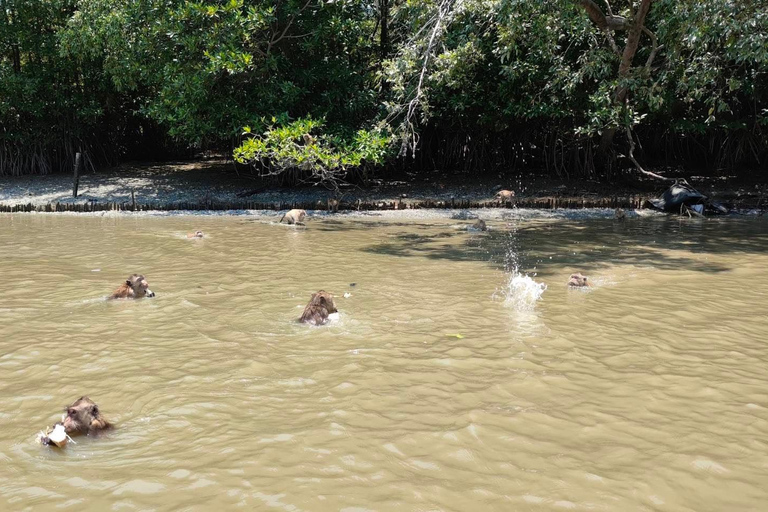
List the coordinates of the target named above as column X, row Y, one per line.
column 206, row 68
column 304, row 145
column 48, row 106
column 506, row 64
column 100, row 73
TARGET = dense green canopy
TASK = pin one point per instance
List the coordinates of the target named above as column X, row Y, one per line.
column 570, row 86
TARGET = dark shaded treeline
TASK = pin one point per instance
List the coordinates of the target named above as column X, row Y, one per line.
column 501, row 87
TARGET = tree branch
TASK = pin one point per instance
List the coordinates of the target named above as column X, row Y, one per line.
column 444, row 8
column 276, row 39
column 605, row 23
column 634, row 160
column 654, row 50
column 595, row 13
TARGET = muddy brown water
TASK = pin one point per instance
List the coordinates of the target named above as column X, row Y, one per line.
column 436, row 390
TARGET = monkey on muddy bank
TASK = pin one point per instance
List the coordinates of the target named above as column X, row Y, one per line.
column 196, row 234
column 82, row 417
column 331, row 205
column 135, row 287
column 320, row 306
column 578, row 280
column 505, row 196
column 294, row 217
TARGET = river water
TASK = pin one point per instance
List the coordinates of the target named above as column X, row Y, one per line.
column 450, row 382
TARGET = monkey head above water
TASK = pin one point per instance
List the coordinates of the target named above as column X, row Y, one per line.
column 479, row 225
column 196, row 234
column 320, row 306
column 505, row 195
column 620, row 214
column 82, row 417
column 577, row 280
column 294, row 217
column 135, row 287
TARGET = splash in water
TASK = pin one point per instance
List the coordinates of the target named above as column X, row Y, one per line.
column 521, row 291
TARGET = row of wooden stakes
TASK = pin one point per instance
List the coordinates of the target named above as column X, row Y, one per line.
column 630, row 202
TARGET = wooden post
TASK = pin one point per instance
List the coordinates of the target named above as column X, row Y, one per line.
column 133, row 200
column 78, row 165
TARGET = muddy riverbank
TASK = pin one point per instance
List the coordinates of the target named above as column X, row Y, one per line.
column 216, row 185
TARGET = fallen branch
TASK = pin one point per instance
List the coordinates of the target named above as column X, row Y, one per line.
column 634, row 160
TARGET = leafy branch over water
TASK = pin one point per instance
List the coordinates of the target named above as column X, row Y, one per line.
column 304, row 149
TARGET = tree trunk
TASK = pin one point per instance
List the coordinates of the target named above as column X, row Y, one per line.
column 383, row 41
column 9, row 21
column 634, row 28
column 384, row 34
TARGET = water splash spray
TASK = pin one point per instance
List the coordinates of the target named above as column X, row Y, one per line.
column 521, row 292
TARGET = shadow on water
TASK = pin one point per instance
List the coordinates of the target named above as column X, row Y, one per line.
column 664, row 243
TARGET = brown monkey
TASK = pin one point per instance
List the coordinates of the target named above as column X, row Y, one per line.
column 320, row 306
column 135, row 287
column 196, row 234
column 479, row 225
column 505, row 196
column 294, row 217
column 333, row 204
column 620, row 214
column 578, row 280
column 82, row 417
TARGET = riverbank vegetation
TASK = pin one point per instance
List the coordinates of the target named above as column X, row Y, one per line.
column 581, row 89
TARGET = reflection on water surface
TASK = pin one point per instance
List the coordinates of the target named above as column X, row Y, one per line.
column 647, row 392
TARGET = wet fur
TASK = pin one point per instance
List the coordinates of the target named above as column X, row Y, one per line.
column 505, row 195
column 83, row 417
column 196, row 234
column 294, row 217
column 320, row 306
column 578, row 280
column 135, row 287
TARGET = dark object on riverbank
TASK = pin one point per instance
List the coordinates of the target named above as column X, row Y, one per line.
column 681, row 197
column 679, row 194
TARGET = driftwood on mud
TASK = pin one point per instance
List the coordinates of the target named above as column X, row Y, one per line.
column 546, row 203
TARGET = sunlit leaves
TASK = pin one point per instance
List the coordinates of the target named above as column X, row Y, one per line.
column 304, row 144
